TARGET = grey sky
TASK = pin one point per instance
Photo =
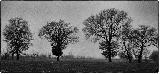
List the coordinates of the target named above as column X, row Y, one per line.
column 39, row 13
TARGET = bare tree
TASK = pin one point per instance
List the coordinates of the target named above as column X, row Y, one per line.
column 18, row 36
column 143, row 37
column 59, row 34
column 105, row 26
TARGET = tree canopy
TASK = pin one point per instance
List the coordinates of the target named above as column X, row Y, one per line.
column 59, row 34
column 17, row 35
column 125, row 40
column 143, row 37
column 105, row 26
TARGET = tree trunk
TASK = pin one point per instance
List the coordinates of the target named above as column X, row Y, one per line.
column 129, row 56
column 140, row 55
column 58, row 58
column 12, row 56
column 109, row 58
column 109, row 54
column 130, row 60
column 17, row 56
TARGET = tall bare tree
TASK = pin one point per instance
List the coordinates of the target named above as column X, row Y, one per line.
column 59, row 34
column 105, row 26
column 18, row 36
column 143, row 37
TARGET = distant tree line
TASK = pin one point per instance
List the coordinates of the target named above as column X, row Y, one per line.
column 111, row 28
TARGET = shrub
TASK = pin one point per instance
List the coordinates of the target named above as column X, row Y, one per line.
column 154, row 56
column 5, row 56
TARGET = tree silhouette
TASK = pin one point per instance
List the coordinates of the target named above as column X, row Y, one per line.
column 105, row 26
column 127, row 53
column 18, row 36
column 59, row 34
column 104, row 47
column 155, row 56
column 143, row 37
column 126, row 41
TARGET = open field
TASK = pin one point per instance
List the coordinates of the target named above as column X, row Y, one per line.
column 80, row 66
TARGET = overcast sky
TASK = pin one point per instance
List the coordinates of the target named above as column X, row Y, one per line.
column 39, row 13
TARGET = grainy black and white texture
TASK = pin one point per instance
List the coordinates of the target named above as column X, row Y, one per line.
column 79, row 36
column 79, row 0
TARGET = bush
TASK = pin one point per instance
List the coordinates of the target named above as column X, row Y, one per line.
column 124, row 55
column 5, row 56
column 154, row 56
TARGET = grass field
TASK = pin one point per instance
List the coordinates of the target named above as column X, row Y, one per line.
column 80, row 66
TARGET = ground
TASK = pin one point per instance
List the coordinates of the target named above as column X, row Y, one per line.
column 80, row 66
